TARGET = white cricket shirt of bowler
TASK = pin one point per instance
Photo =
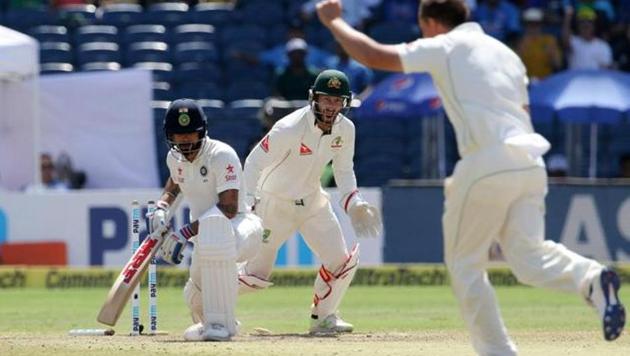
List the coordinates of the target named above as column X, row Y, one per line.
column 482, row 84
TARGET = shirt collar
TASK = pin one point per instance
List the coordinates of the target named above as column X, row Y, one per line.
column 469, row 27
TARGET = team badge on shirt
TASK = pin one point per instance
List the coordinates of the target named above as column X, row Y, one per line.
column 304, row 150
column 229, row 173
column 337, row 142
column 203, row 170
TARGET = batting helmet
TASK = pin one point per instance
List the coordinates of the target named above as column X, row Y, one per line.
column 184, row 116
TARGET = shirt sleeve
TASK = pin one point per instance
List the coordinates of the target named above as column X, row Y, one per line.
column 272, row 148
column 422, row 55
column 227, row 171
column 343, row 167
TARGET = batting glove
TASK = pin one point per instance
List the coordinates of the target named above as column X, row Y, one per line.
column 172, row 249
column 157, row 218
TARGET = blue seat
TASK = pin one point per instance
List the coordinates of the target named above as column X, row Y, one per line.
column 247, row 90
column 100, row 66
column 55, row 52
column 197, row 72
column 234, row 128
column 193, row 32
column 195, row 52
column 55, row 68
column 22, row 19
column 374, row 146
column 162, row 91
column 376, row 171
column 265, row 13
column 277, row 35
column 240, row 70
column 394, row 32
column 81, row 14
column 167, row 13
column 98, row 52
column 96, row 33
column 50, row 33
column 213, row 108
column 121, row 15
column 318, row 35
column 217, row 14
column 161, row 71
column 251, row 47
column 245, row 108
column 147, row 52
column 239, row 33
column 145, row 33
column 199, row 91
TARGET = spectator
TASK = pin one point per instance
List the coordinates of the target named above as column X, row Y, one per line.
column 539, row 51
column 557, row 165
column 624, row 166
column 296, row 79
column 67, row 174
column 499, row 18
column 359, row 75
column 49, row 180
column 603, row 8
column 584, row 50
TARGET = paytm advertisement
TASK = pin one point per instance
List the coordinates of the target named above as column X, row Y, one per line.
column 95, row 226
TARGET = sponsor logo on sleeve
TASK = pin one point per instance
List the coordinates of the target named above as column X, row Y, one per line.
column 264, row 144
column 304, row 150
column 229, row 173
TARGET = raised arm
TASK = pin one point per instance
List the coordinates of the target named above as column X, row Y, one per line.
column 358, row 45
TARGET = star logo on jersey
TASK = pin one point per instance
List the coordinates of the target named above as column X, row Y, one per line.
column 264, row 144
column 203, row 171
column 334, row 83
column 304, row 150
column 229, row 173
column 230, row 169
column 337, row 142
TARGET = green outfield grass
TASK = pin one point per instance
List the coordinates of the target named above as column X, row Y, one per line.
column 388, row 321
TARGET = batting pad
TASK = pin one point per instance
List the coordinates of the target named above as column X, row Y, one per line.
column 216, row 255
column 330, row 287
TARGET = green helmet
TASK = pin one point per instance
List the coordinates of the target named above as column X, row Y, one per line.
column 332, row 82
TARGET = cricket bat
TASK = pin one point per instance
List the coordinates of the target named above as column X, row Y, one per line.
column 129, row 277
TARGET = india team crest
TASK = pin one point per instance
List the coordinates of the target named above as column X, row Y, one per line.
column 183, row 119
column 203, row 171
column 334, row 82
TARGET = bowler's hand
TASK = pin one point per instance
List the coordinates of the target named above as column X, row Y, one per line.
column 328, row 10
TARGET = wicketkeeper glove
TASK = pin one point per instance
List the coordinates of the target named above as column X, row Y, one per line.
column 172, row 249
column 365, row 218
column 157, row 218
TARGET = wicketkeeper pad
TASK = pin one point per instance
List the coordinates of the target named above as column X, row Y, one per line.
column 215, row 252
column 330, row 287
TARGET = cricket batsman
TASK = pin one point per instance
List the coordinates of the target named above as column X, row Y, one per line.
column 282, row 178
column 208, row 174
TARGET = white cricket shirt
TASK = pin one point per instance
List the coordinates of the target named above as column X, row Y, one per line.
column 215, row 169
column 482, row 83
column 289, row 160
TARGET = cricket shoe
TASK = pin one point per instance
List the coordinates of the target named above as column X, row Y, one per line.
column 605, row 298
column 332, row 324
column 211, row 332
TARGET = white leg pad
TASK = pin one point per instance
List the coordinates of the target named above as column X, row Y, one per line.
column 249, row 233
column 215, row 252
column 330, row 287
column 192, row 295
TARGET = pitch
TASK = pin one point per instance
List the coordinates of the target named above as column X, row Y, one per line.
column 388, row 321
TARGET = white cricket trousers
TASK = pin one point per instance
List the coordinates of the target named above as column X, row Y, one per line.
column 497, row 194
column 312, row 216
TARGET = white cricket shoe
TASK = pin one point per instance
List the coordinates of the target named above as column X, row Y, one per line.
column 211, row 332
column 332, row 324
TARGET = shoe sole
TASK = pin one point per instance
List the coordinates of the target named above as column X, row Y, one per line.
column 615, row 314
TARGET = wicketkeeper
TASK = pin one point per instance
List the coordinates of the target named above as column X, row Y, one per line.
column 208, row 174
column 282, row 177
